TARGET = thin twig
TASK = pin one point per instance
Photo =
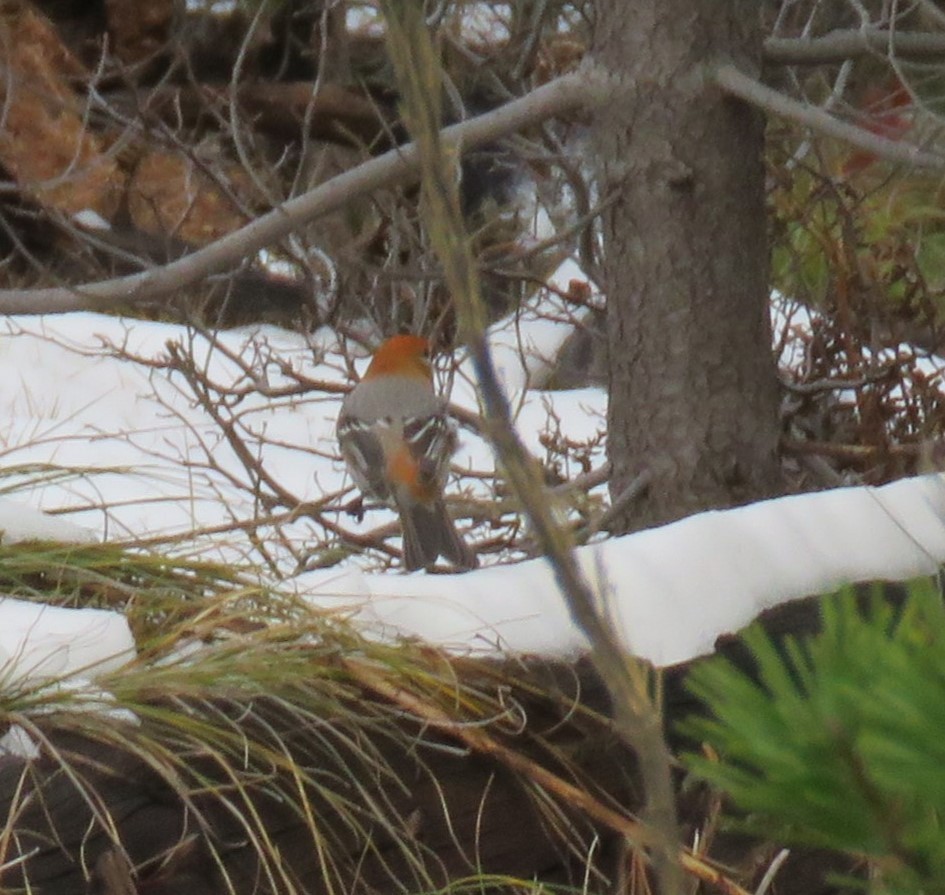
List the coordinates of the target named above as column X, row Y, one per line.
column 586, row 481
column 397, row 167
column 830, row 385
column 629, row 495
column 733, row 81
column 772, row 871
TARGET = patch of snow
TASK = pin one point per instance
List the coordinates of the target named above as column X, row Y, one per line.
column 17, row 742
column 476, row 23
column 277, row 265
column 525, row 345
column 145, row 448
column 88, row 219
column 19, row 523
column 364, row 19
column 40, row 643
column 214, row 7
column 484, row 23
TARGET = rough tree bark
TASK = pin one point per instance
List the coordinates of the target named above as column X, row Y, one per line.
column 693, row 385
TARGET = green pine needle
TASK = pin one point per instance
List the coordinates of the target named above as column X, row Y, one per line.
column 839, row 741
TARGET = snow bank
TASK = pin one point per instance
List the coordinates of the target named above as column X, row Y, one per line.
column 669, row 591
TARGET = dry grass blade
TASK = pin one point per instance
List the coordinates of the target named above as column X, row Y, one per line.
column 480, row 741
column 420, row 79
column 254, row 742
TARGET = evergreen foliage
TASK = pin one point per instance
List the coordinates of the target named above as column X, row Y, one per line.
column 838, row 741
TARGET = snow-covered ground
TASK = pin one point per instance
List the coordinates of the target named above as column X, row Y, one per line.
column 154, row 462
column 149, row 461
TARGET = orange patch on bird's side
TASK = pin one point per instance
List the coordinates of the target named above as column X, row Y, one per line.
column 404, row 470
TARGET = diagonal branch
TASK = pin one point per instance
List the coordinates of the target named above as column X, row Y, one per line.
column 396, row 167
column 735, row 82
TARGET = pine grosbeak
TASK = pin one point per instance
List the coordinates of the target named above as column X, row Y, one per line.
column 397, row 440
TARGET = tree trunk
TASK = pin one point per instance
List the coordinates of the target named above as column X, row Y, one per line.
column 693, row 384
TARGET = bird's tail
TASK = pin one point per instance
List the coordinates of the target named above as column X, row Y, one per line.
column 429, row 533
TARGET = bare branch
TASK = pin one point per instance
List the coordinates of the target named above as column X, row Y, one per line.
column 398, row 166
column 842, row 44
column 735, row 82
column 631, row 493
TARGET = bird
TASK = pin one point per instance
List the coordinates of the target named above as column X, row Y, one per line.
column 396, row 438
